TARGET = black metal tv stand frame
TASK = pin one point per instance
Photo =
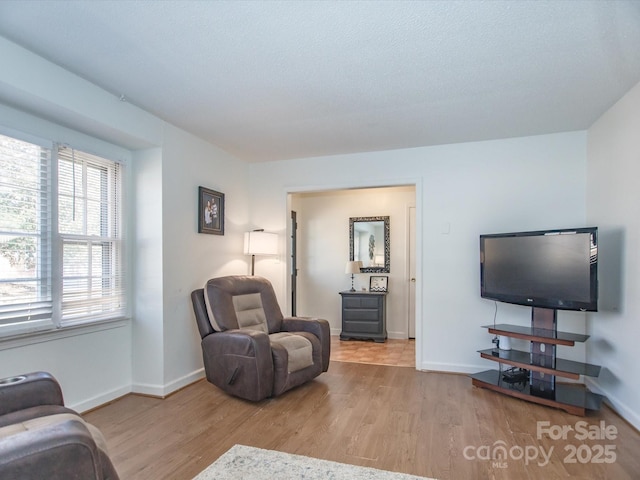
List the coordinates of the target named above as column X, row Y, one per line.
column 543, row 365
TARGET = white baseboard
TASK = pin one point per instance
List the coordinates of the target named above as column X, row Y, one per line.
column 451, row 367
column 148, row 389
column 397, row 335
column 100, row 400
column 626, row 412
column 159, row 391
column 392, row 335
column 162, row 391
column 184, row 381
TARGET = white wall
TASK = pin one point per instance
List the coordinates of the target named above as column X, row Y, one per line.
column 612, row 202
column 36, row 85
column 147, row 274
column 159, row 351
column 92, row 364
column 172, row 259
column 323, row 250
column 462, row 190
column 189, row 258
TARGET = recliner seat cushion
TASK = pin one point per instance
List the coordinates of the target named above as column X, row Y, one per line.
column 39, row 423
column 33, row 412
column 299, row 350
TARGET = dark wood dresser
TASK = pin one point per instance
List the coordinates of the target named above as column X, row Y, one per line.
column 364, row 315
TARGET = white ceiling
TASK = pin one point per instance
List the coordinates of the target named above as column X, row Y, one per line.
column 290, row 79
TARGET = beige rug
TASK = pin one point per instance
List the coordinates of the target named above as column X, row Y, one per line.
column 249, row 463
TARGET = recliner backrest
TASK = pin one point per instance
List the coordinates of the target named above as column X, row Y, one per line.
column 242, row 302
column 200, row 309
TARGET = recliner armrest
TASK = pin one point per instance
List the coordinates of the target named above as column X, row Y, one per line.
column 239, row 362
column 56, row 452
column 29, row 390
column 317, row 326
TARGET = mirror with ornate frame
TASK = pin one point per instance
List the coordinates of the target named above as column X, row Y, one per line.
column 369, row 243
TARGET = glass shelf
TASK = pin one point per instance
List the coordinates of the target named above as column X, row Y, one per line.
column 570, row 397
column 541, row 363
column 542, row 335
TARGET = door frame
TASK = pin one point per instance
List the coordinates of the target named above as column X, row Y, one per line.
column 416, row 182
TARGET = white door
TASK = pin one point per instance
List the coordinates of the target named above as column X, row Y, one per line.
column 412, row 272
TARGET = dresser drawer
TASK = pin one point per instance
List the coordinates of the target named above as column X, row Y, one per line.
column 361, row 314
column 359, row 327
column 360, row 302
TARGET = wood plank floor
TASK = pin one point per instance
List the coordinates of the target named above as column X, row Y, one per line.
column 386, row 417
column 401, row 353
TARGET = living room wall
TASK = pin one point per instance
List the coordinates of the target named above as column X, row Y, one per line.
column 462, row 190
column 157, row 351
column 189, row 258
column 323, row 250
column 613, row 198
column 93, row 364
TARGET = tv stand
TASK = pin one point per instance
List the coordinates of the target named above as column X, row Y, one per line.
column 543, row 366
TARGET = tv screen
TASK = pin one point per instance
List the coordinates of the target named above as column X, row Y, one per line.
column 555, row 269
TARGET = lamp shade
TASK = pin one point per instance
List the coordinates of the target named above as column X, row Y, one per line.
column 353, row 267
column 260, row 243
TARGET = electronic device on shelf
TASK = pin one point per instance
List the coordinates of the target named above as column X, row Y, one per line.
column 515, row 375
column 555, row 269
column 547, row 270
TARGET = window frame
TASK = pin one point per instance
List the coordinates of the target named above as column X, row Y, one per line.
column 56, row 324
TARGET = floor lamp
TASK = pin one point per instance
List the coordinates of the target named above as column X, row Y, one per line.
column 259, row 242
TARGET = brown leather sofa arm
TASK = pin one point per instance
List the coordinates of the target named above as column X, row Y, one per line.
column 29, row 390
column 239, row 362
column 58, row 452
column 318, row 326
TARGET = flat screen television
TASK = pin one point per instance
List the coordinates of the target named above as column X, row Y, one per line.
column 556, row 269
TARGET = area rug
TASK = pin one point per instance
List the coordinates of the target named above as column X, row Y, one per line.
column 248, row 463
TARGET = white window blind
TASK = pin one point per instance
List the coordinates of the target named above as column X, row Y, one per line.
column 61, row 243
column 90, row 233
column 25, row 236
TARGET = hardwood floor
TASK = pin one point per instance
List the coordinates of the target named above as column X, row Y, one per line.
column 401, row 353
column 378, row 416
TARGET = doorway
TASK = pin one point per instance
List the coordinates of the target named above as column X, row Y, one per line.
column 318, row 238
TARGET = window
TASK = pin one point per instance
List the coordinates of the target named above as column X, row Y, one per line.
column 90, row 240
column 25, row 236
column 61, row 242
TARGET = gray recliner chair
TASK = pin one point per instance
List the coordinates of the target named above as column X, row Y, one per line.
column 249, row 348
column 42, row 439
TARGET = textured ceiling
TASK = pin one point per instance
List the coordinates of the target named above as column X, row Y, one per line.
column 289, row 79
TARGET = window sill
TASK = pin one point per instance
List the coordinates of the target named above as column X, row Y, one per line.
column 21, row 340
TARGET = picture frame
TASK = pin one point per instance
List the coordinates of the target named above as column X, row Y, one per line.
column 378, row 283
column 210, row 211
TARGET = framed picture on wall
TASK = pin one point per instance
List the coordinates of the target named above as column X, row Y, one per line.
column 210, row 211
column 378, row 283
